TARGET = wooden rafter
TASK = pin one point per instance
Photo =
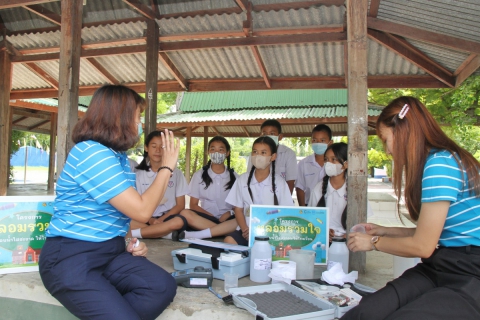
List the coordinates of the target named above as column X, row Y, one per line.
column 246, row 131
column 38, row 125
column 247, row 26
column 261, row 66
column 142, row 9
column 242, row 4
column 44, row 13
column 103, row 71
column 197, row 44
column 167, row 62
column 42, row 74
column 374, row 5
column 6, row 4
column 467, row 68
column 424, row 35
column 216, row 131
column 35, row 106
column 403, row 48
column 19, row 120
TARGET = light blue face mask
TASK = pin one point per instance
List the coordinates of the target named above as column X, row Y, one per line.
column 319, row 148
column 140, row 129
column 274, row 138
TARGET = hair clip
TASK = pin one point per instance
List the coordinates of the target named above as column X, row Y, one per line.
column 404, row 111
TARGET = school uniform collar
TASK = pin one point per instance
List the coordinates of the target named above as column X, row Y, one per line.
column 342, row 192
column 223, row 175
column 266, row 182
column 311, row 160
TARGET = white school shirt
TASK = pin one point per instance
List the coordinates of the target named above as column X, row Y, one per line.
column 213, row 198
column 335, row 201
column 261, row 191
column 309, row 174
column 177, row 187
column 285, row 163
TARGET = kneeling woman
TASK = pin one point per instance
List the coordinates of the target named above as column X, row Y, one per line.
column 84, row 263
column 166, row 217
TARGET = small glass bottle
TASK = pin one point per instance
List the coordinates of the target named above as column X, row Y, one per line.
column 260, row 260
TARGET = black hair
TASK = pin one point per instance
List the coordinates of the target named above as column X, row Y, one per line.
column 273, row 148
column 323, row 127
column 145, row 164
column 272, row 123
column 340, row 150
column 206, row 177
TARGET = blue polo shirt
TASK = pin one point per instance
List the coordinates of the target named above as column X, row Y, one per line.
column 92, row 175
column 444, row 180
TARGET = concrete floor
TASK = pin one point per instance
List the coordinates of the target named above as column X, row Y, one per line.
column 23, row 296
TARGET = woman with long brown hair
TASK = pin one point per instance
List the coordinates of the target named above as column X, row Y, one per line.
column 441, row 192
column 85, row 262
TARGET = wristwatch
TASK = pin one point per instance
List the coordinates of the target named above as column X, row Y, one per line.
column 374, row 241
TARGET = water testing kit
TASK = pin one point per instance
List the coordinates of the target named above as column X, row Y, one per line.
column 218, row 256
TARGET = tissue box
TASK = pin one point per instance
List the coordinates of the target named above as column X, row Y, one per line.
column 228, row 262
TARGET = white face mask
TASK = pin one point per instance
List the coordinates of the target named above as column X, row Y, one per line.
column 274, row 138
column 333, row 169
column 217, row 157
column 261, row 162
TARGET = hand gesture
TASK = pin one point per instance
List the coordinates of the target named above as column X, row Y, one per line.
column 171, row 148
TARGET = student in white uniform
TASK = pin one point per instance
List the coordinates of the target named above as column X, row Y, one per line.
column 207, row 190
column 331, row 192
column 286, row 161
column 165, row 218
column 310, row 169
column 259, row 186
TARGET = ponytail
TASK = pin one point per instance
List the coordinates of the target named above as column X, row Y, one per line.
column 275, row 200
column 205, row 176
column 232, row 175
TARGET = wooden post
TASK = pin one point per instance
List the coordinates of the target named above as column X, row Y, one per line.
column 5, row 118
column 51, row 159
column 152, row 34
column 205, row 145
column 357, row 121
column 70, row 47
column 188, row 154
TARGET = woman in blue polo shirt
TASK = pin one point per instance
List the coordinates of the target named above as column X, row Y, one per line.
column 441, row 192
column 85, row 263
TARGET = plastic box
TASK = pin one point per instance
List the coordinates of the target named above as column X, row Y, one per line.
column 227, row 263
column 274, row 303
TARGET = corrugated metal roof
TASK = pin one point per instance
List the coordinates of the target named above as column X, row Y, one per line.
column 228, row 100
column 255, row 114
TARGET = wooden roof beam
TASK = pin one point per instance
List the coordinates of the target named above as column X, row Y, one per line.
column 403, row 48
column 246, row 131
column 243, row 4
column 167, row 62
column 216, row 131
column 374, row 5
column 38, row 125
column 44, row 13
column 142, row 9
column 467, row 68
column 261, row 66
column 424, row 35
column 19, row 120
column 25, row 128
column 6, row 4
column 42, row 74
column 103, row 71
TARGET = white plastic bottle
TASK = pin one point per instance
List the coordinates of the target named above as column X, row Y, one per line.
column 260, row 260
column 338, row 252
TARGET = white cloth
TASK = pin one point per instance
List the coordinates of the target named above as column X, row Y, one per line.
column 261, row 191
column 336, row 275
column 335, row 201
column 177, row 187
column 309, row 174
column 213, row 198
column 285, row 163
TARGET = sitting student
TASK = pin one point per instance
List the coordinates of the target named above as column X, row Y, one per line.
column 311, row 169
column 166, row 217
column 259, row 186
column 286, row 161
column 207, row 190
column 331, row 192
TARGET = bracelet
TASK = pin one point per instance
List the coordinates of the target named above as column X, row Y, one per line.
column 165, row 167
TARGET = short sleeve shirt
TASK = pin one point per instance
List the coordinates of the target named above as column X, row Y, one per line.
column 309, row 174
column 443, row 180
column 177, row 187
column 261, row 191
column 93, row 174
column 212, row 199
